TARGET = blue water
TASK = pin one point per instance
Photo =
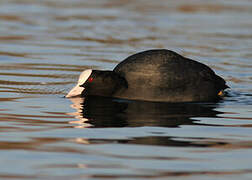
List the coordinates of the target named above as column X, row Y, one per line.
column 45, row 45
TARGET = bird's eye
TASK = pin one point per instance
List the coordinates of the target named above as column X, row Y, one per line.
column 90, row 79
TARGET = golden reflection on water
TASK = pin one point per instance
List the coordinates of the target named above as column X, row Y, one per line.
column 81, row 121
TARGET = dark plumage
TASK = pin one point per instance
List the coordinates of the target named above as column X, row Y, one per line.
column 157, row 75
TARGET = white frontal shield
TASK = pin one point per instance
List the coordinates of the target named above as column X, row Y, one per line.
column 77, row 90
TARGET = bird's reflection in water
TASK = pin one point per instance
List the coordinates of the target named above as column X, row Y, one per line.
column 81, row 121
column 99, row 112
column 108, row 112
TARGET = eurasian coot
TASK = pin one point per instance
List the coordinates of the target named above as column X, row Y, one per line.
column 155, row 75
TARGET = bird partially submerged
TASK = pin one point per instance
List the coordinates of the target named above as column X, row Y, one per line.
column 155, row 75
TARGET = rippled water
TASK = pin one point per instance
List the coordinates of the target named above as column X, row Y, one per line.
column 44, row 45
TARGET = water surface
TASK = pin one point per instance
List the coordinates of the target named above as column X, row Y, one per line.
column 45, row 45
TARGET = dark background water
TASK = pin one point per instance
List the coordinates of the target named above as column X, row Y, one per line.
column 44, row 45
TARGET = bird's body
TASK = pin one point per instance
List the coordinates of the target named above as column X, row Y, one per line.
column 158, row 75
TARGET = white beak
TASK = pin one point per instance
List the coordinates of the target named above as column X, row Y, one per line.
column 77, row 90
